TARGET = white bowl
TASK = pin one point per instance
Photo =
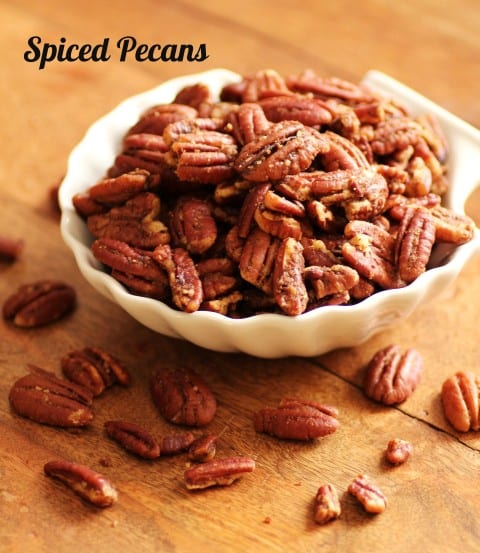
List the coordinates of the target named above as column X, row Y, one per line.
column 266, row 335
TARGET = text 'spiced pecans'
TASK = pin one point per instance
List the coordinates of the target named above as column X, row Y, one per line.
column 257, row 176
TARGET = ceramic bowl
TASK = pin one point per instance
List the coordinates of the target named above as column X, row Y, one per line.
column 266, row 335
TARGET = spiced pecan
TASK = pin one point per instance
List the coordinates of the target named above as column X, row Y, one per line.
column 136, row 222
column 39, row 303
column 90, row 485
column 94, row 369
column 460, row 400
column 264, row 83
column 205, row 157
column 219, row 472
column 194, row 95
column 133, row 438
column 326, row 504
column 288, row 285
column 414, row 242
column 185, row 284
column 297, row 419
column 183, row 397
column 370, row 496
column 392, row 375
column 328, row 87
column 370, row 250
column 192, row 225
column 10, row 248
column 330, row 280
column 47, row 399
column 295, row 107
column 120, row 256
column 118, row 190
column 203, row 449
column 288, row 147
column 155, row 119
column 398, row 451
column 455, row 228
column 258, row 259
column 176, row 442
column 247, row 123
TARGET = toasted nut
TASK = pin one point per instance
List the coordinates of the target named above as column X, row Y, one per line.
column 88, row 484
column 327, row 505
column 368, row 494
column 220, row 472
column 134, row 438
column 398, row 451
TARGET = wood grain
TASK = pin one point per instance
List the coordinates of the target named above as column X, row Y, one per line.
column 433, row 498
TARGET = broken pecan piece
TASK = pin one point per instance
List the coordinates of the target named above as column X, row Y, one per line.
column 398, row 451
column 370, row 496
column 183, row 397
column 297, row 419
column 391, row 375
column 326, row 505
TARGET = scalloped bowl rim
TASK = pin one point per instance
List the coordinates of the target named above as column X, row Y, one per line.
column 265, row 335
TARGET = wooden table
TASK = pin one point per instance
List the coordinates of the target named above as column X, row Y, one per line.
column 434, row 499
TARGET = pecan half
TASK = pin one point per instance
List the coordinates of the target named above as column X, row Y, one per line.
column 258, row 259
column 92, row 486
column 297, row 419
column 183, row 397
column 326, row 505
column 185, row 284
column 133, row 438
column 415, row 239
column 39, row 303
column 46, row 399
column 205, row 157
column 94, row 369
column 192, row 225
column 288, row 147
column 289, row 288
column 118, row 190
column 391, row 375
column 219, row 472
column 368, row 494
column 157, row 118
column 398, row 451
column 460, row 400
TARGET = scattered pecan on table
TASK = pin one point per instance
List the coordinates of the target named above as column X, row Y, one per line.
column 460, row 400
column 263, row 179
column 90, row 485
column 39, row 303
column 392, row 375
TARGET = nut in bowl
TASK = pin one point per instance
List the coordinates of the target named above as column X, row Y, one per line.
column 272, row 216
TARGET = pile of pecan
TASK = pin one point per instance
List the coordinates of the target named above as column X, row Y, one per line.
column 283, row 195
